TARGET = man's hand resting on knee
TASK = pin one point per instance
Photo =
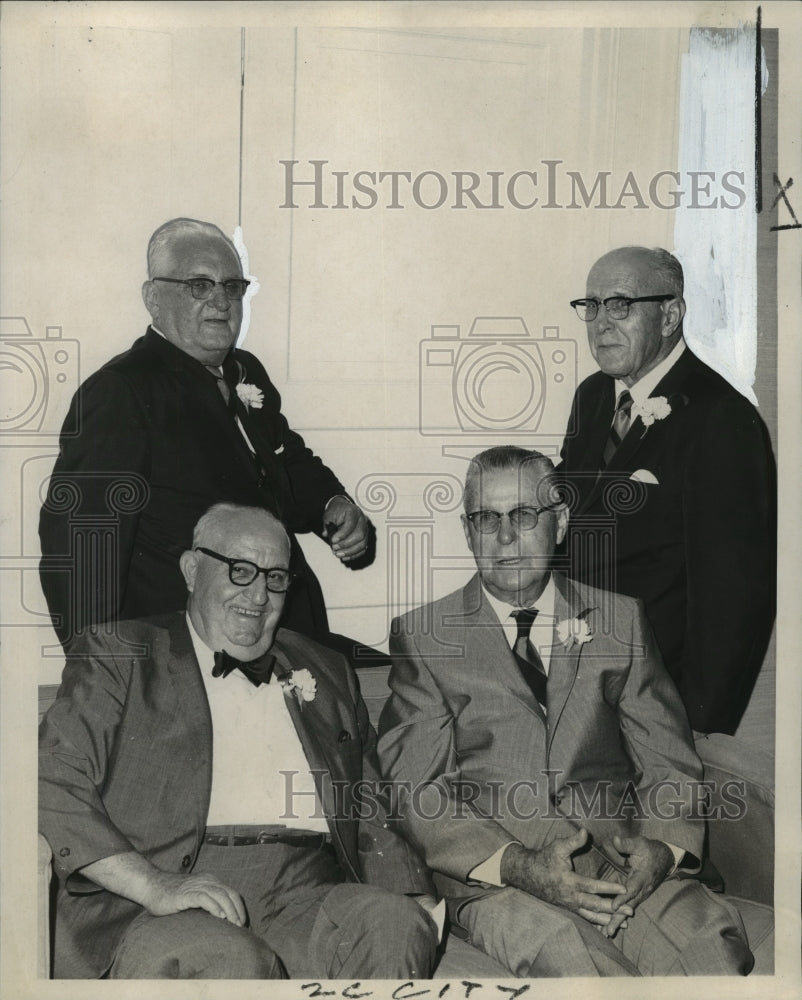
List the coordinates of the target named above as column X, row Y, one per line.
column 134, row 877
column 549, row 874
column 648, row 861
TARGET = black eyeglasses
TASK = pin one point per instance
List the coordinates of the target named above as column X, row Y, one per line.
column 241, row 572
column 487, row 522
column 202, row 288
column 617, row 306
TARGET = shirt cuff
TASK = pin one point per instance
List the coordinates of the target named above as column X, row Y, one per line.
column 679, row 857
column 489, row 871
column 437, row 911
column 338, row 496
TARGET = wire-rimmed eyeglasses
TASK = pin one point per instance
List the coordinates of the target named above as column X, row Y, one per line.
column 202, row 288
column 487, row 522
column 617, row 306
column 241, row 572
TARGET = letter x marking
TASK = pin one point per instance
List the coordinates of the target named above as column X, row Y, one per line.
column 783, row 188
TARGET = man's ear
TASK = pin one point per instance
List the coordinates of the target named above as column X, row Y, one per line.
column 466, row 527
column 562, row 522
column 151, row 299
column 673, row 314
column 189, row 568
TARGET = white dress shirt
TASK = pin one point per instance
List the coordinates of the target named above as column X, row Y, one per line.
column 260, row 775
column 541, row 635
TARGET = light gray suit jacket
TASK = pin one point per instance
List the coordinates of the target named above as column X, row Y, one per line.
column 125, row 764
column 482, row 765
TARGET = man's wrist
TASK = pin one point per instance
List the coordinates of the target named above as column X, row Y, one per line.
column 512, row 861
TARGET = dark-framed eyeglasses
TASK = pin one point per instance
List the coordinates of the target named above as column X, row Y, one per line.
column 487, row 522
column 202, row 288
column 241, row 572
column 617, row 306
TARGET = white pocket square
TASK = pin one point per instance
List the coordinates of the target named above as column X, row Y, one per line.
column 279, row 450
column 644, row 476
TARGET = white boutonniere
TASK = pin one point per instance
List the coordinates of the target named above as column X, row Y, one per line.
column 575, row 631
column 302, row 682
column 651, row 409
column 250, row 395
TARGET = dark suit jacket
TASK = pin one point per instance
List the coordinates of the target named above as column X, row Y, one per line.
column 147, row 447
column 698, row 547
column 126, row 765
column 464, row 729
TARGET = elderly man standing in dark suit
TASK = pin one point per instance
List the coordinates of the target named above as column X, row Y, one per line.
column 180, row 421
column 174, row 861
column 553, row 786
column 672, row 485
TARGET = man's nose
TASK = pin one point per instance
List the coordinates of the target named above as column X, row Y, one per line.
column 219, row 299
column 506, row 534
column 601, row 321
column 257, row 590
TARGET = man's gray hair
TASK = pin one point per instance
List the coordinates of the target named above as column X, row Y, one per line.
column 509, row 457
column 214, row 522
column 161, row 242
column 663, row 264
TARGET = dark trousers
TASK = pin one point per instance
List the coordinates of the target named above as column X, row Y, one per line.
column 300, row 908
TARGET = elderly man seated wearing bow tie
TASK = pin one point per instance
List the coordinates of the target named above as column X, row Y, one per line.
column 251, row 861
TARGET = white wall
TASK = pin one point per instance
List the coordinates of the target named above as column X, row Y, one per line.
column 121, row 126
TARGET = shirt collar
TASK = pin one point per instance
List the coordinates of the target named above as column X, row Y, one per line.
column 643, row 388
column 544, row 604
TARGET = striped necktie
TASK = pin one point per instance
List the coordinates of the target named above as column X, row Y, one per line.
column 619, row 427
column 527, row 657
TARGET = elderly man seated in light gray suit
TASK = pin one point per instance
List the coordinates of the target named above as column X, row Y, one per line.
column 177, row 862
column 545, row 766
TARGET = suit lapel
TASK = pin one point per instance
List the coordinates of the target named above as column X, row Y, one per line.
column 597, row 424
column 598, row 430
column 311, row 719
column 489, row 649
column 201, row 385
column 190, row 696
column 264, row 463
column 564, row 662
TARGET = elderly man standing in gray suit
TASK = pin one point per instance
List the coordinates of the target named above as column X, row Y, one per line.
column 548, row 772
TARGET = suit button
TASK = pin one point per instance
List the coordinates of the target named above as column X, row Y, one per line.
column 344, row 736
column 186, row 861
column 64, row 852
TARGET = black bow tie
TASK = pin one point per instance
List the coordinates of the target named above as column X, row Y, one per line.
column 257, row 671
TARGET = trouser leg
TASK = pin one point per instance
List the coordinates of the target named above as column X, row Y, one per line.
column 533, row 938
column 683, row 929
column 317, row 923
column 390, row 936
column 192, row 944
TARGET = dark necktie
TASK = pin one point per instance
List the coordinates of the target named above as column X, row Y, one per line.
column 620, row 425
column 222, row 385
column 527, row 657
column 257, row 671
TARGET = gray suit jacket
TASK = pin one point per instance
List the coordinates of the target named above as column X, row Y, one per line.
column 484, row 767
column 125, row 764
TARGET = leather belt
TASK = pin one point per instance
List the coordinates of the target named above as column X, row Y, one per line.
column 244, row 836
